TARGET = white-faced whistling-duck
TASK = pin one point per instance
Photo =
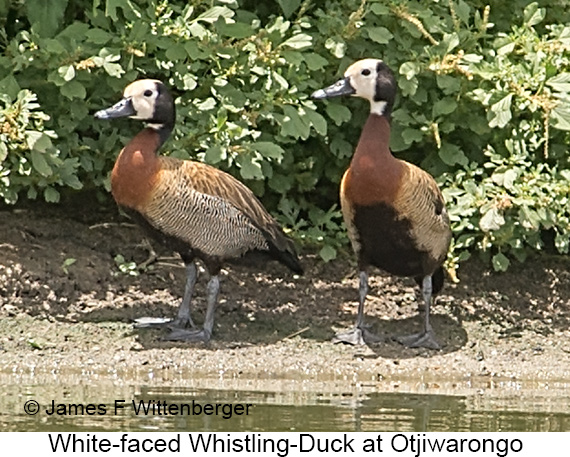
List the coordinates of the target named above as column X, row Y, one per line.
column 194, row 209
column 394, row 211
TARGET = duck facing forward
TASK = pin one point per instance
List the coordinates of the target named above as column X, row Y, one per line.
column 194, row 209
column 394, row 211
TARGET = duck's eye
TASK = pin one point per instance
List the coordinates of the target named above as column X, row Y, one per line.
column 365, row 72
column 147, row 93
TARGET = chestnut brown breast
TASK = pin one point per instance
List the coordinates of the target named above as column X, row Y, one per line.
column 135, row 171
column 374, row 174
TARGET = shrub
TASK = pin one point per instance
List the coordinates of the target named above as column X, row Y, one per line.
column 483, row 104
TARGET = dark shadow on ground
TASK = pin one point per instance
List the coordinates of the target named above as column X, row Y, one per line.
column 257, row 306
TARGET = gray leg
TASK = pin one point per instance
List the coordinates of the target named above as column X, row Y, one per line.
column 183, row 318
column 179, row 334
column 362, row 292
column 426, row 338
column 359, row 332
column 213, row 290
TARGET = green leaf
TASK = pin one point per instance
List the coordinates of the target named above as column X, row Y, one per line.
column 46, row 16
column 409, row 86
column 409, row 69
column 451, row 155
column 492, row 220
column 560, row 117
column 249, row 169
column 506, row 49
column 449, row 84
column 190, row 82
column 280, row 80
column 280, row 183
column 214, row 13
column 299, row 41
column 113, row 69
column 500, row 112
column 51, row 195
column 533, row 15
column 111, row 7
column 562, row 243
column 197, row 30
column 529, row 218
column 336, row 46
column 317, row 121
column 500, row 262
column 176, row 52
column 67, row 72
column 3, row 152
column 68, row 262
column 327, row 253
column 10, row 86
column 289, row 6
column 510, row 179
column 268, row 149
column 380, row 35
column 206, row 105
column 37, row 141
column 293, row 125
column 98, row 36
column 237, row 30
column 73, row 89
column 505, row 178
column 560, row 82
column 410, row 135
column 444, row 106
column 72, row 181
column 315, row 61
column 450, row 42
column 194, row 51
column 40, row 164
column 463, row 11
column 341, row 148
column 338, row 113
column 214, row 154
column 379, row 9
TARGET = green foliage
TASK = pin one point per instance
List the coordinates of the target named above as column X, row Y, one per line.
column 67, row 263
column 125, row 267
column 28, row 159
column 484, row 103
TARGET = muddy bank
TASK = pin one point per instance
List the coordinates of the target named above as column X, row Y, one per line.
column 66, row 307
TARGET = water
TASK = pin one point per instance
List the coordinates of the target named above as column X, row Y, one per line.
column 289, row 405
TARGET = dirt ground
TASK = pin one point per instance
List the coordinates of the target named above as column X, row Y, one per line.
column 58, row 314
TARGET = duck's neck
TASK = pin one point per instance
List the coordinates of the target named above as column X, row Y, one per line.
column 163, row 130
column 374, row 174
column 374, row 143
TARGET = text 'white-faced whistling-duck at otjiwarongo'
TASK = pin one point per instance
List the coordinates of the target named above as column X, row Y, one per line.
column 394, row 211
column 193, row 208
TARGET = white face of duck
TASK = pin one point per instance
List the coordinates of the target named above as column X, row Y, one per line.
column 140, row 101
column 143, row 95
column 370, row 79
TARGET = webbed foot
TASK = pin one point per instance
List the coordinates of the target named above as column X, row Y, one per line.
column 425, row 339
column 193, row 335
column 356, row 336
column 162, row 322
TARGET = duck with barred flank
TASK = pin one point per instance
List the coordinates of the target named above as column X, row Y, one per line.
column 393, row 210
column 194, row 209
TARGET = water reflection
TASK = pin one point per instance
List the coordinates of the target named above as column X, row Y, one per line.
column 302, row 410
